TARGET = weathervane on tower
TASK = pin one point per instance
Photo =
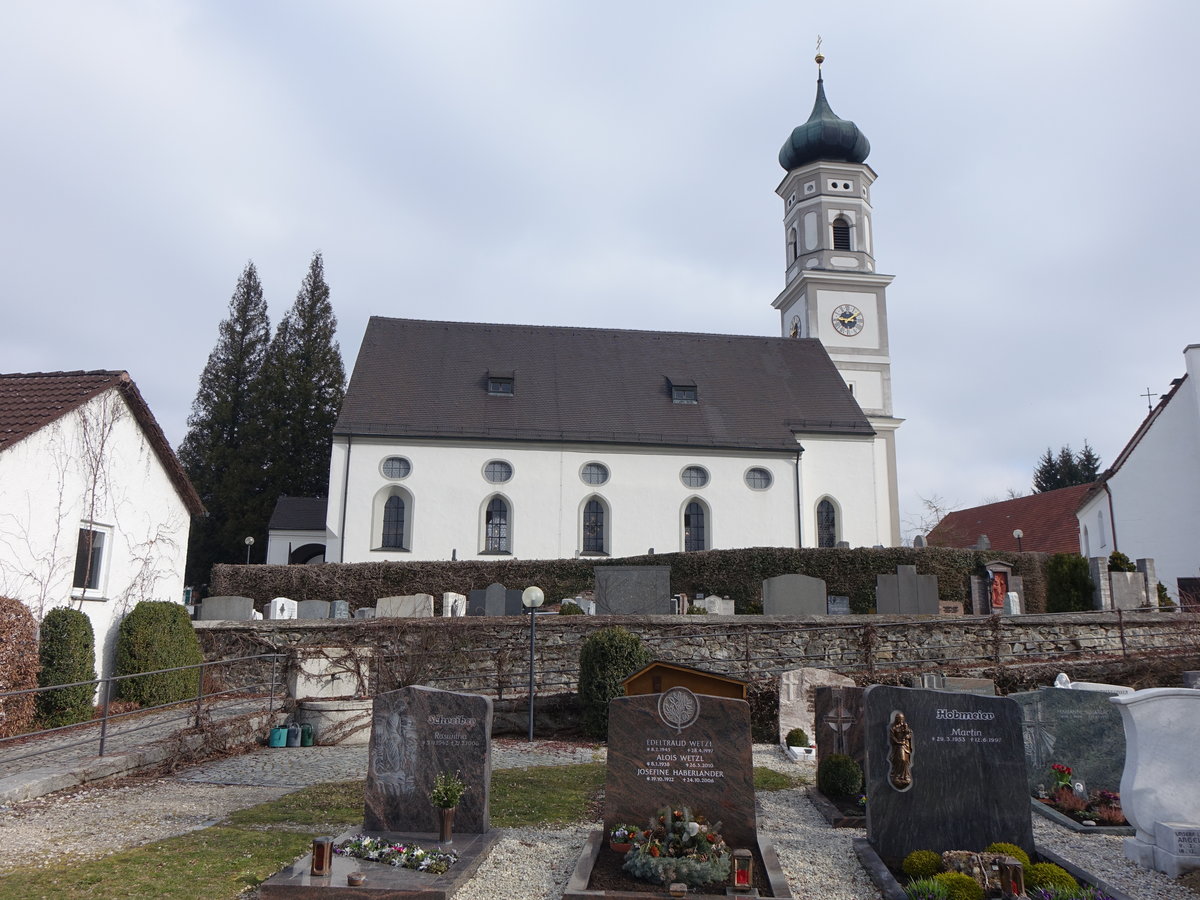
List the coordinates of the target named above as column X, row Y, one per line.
column 820, row 57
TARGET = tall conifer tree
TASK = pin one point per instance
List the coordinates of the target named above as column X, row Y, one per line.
column 1066, row 468
column 218, row 452
column 299, row 393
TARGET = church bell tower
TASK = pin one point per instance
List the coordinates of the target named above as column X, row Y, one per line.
column 832, row 291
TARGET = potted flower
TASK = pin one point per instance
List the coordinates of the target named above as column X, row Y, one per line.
column 679, row 847
column 1062, row 777
column 448, row 789
column 621, row 837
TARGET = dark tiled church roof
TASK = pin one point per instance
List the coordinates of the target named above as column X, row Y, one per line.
column 31, row 401
column 416, row 378
column 1047, row 521
column 299, row 514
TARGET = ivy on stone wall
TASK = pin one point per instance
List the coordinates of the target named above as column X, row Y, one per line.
column 729, row 573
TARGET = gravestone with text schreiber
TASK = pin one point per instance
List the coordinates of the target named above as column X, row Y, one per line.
column 838, row 722
column 417, row 732
column 633, row 591
column 963, row 784
column 677, row 749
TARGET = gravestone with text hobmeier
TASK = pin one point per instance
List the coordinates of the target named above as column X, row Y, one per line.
column 838, row 722
column 677, row 749
column 416, row 733
column 794, row 595
column 944, row 772
column 633, row 591
column 906, row 593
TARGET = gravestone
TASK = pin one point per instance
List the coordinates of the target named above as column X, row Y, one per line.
column 838, row 720
column 838, row 606
column 633, row 591
column 963, row 785
column 312, row 609
column 416, row 733
column 797, row 702
column 906, row 593
column 280, row 608
column 794, row 595
column 339, row 609
column 717, row 606
column 512, row 603
column 678, row 747
column 1079, row 728
column 365, row 612
column 950, row 608
column 988, row 593
column 411, row 606
column 1128, row 590
column 932, row 681
column 476, row 603
column 228, row 609
column 453, row 605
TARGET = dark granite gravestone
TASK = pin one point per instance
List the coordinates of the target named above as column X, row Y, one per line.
column 633, row 591
column 489, row 602
column 417, row 732
column 312, row 609
column 476, row 603
column 794, row 595
column 838, row 723
column 966, row 786
column 235, row 609
column 339, row 609
column 838, row 606
column 512, row 603
column 679, row 748
column 1080, row 729
column 933, row 681
column 906, row 593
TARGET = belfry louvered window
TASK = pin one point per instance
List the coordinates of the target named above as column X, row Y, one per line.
column 841, row 234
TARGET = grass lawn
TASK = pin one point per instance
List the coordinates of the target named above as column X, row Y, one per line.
column 252, row 844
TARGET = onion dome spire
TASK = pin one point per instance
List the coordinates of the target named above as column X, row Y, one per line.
column 824, row 136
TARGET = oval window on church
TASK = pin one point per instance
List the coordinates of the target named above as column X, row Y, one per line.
column 694, row 476
column 594, row 473
column 497, row 471
column 758, row 479
column 396, row 467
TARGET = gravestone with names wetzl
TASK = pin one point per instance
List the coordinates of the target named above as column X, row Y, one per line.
column 956, row 783
column 677, row 749
column 416, row 733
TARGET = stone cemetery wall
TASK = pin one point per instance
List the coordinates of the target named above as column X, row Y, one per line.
column 491, row 655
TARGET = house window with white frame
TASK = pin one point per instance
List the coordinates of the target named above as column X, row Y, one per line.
column 89, row 560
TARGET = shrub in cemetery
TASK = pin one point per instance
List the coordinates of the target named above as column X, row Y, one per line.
column 606, row 658
column 68, row 655
column 961, row 887
column 1049, row 876
column 1009, row 850
column 922, row 864
column 570, row 609
column 838, row 775
column 1119, row 562
column 1069, row 587
column 18, row 666
column 157, row 634
column 797, row 738
column 925, row 889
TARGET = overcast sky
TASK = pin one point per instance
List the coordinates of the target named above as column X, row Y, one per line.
column 614, row 165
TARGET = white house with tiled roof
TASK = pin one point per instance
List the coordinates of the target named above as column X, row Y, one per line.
column 1148, row 501
column 94, row 507
column 464, row 440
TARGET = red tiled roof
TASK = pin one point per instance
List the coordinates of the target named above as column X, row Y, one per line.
column 1047, row 521
column 30, row 402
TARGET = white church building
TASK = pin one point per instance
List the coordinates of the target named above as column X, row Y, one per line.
column 472, row 441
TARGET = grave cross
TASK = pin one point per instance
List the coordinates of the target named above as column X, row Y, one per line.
column 840, row 720
column 1149, row 393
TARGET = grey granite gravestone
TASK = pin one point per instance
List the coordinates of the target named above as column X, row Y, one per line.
column 512, row 603
column 679, row 747
column 838, row 722
column 932, row 681
column 229, row 609
column 365, row 612
column 312, row 609
column 416, row 733
column 476, row 603
column 1128, row 589
column 838, row 606
column 966, row 767
column 404, row 607
column 633, row 590
column 906, row 593
column 339, row 609
column 1081, row 729
column 794, row 595
column 797, row 708
column 495, row 599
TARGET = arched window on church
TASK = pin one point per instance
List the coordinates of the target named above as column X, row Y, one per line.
column 594, row 527
column 841, row 234
column 495, row 528
column 693, row 527
column 791, row 245
column 393, row 523
column 826, row 524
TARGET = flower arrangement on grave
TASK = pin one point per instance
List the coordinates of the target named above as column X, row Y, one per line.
column 623, row 836
column 1061, row 775
column 679, row 847
column 1099, row 807
column 401, row 855
column 448, row 789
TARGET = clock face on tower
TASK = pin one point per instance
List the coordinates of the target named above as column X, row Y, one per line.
column 848, row 320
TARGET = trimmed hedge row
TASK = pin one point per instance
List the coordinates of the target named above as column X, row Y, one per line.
column 18, row 666
column 732, row 573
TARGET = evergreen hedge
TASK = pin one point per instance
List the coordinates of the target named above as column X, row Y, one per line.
column 68, row 654
column 731, row 573
column 157, row 634
column 18, row 666
column 606, row 658
column 1069, row 585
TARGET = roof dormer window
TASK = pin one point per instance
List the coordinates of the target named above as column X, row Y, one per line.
column 501, row 384
column 683, row 389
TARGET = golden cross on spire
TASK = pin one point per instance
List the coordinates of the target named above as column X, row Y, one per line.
column 820, row 57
